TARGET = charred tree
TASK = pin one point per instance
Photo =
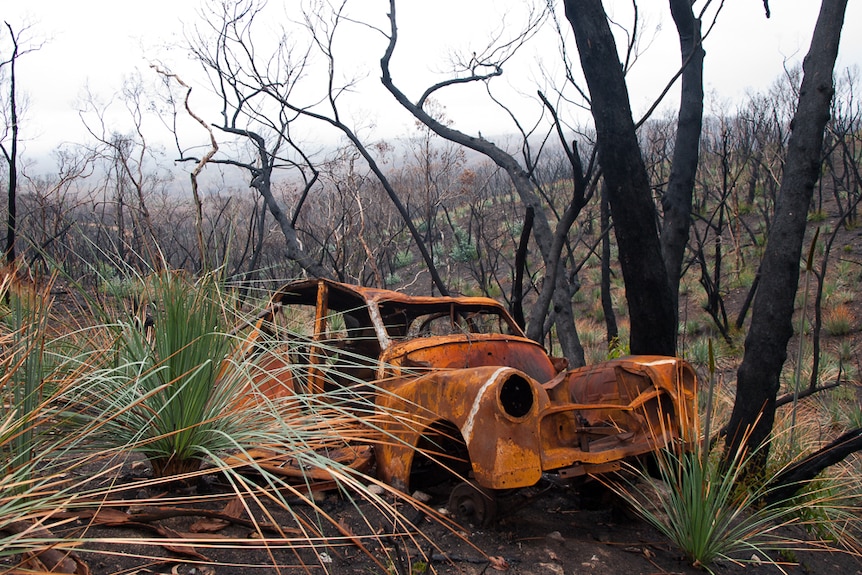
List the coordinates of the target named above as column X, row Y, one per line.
column 648, row 291
column 676, row 202
column 766, row 343
column 558, row 291
column 11, row 153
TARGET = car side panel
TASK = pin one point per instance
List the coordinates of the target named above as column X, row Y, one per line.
column 504, row 451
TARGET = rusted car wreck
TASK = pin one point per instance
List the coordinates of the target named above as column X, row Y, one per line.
column 473, row 396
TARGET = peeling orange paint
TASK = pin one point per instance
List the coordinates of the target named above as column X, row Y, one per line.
column 459, row 389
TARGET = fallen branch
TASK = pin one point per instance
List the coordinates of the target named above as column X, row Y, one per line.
column 53, row 557
column 115, row 518
column 795, row 477
column 783, row 400
column 788, row 397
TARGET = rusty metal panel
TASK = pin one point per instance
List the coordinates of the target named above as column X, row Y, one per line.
column 504, row 450
column 505, row 404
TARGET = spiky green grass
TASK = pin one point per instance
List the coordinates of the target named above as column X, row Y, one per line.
column 194, row 398
column 38, row 462
column 713, row 515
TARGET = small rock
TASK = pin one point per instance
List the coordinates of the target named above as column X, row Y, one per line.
column 556, row 536
column 421, row 496
column 375, row 489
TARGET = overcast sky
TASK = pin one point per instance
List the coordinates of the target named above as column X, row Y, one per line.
column 99, row 42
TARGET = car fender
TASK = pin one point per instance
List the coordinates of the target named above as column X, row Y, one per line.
column 495, row 408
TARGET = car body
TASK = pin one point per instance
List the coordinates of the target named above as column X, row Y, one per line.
column 466, row 393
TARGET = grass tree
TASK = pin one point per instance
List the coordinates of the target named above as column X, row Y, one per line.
column 38, row 465
column 176, row 376
column 711, row 515
column 196, row 399
column 23, row 318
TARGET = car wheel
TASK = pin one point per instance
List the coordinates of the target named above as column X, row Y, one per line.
column 471, row 504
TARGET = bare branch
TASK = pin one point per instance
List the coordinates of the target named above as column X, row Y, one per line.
column 200, row 164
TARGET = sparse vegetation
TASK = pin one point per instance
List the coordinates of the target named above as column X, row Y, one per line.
column 151, row 371
column 179, row 385
column 189, row 396
column 403, row 259
column 839, row 320
column 464, row 250
column 711, row 514
column 714, row 515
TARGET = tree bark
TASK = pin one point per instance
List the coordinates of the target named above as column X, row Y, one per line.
column 676, row 202
column 613, row 332
column 517, row 307
column 651, row 305
column 757, row 385
column 12, row 155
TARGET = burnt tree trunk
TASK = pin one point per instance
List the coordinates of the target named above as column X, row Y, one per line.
column 676, row 202
column 262, row 182
column 613, row 332
column 651, row 305
column 517, row 306
column 766, row 343
column 11, row 155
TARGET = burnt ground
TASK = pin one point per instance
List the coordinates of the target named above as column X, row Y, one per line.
column 550, row 529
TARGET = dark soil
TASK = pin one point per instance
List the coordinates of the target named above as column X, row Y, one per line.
column 550, row 529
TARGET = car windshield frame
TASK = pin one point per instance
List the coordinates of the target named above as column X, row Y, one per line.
column 392, row 315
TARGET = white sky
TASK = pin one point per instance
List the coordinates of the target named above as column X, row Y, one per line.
column 99, row 42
